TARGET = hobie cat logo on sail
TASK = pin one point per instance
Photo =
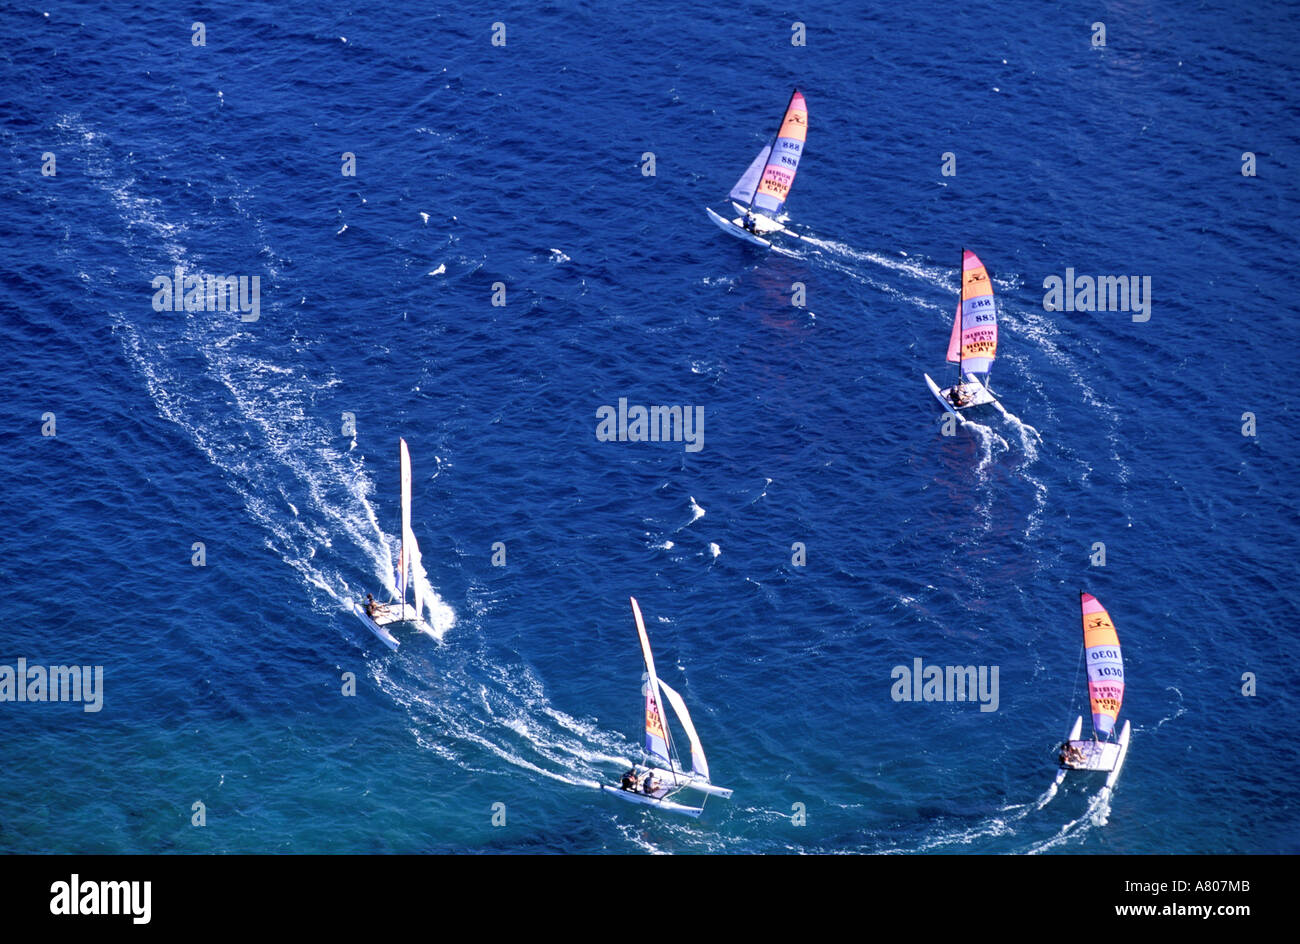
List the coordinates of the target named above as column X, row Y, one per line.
column 208, row 293
column 651, row 424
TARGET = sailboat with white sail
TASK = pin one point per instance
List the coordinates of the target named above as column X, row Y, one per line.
column 655, row 785
column 1105, row 664
column 379, row 616
column 973, row 343
column 759, row 195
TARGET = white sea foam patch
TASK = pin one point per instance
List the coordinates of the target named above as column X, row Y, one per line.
column 255, row 419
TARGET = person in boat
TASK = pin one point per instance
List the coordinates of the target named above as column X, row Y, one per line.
column 957, row 395
column 750, row 224
column 372, row 608
column 1071, row 755
column 629, row 780
column 649, row 785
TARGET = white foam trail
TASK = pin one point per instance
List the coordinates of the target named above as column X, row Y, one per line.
column 1095, row 814
column 991, row 443
column 509, row 720
column 993, row 826
column 252, row 418
column 1047, row 796
column 1045, row 333
column 1029, row 436
column 931, row 274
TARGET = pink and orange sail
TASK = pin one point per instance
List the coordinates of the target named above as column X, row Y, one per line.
column 974, row 341
column 1105, row 664
column 778, row 162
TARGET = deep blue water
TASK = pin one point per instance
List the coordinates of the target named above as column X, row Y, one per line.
column 522, row 165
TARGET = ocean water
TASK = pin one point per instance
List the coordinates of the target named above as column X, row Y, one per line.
column 522, row 164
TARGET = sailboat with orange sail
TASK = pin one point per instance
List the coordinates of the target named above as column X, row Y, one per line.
column 1105, row 664
column 973, row 343
column 759, row 195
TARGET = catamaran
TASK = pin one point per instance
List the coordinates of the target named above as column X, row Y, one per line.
column 379, row 616
column 760, row 194
column 973, row 343
column 660, row 786
column 1106, row 693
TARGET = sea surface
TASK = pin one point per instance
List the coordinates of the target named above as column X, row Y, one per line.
column 521, row 171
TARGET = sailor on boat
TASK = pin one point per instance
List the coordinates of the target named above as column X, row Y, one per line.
column 649, row 786
column 750, row 223
column 1071, row 756
column 629, row 780
column 958, row 395
column 372, row 608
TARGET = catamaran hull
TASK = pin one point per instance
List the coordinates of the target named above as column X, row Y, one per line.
column 1119, row 761
column 982, row 396
column 938, row 395
column 650, row 799
column 381, row 631
column 1075, row 730
column 733, row 228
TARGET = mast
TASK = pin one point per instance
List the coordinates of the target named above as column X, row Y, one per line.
column 1085, row 672
column 403, row 554
column 961, row 312
column 771, row 143
column 401, row 577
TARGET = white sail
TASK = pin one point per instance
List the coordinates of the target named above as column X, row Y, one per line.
column 417, row 573
column 743, row 192
column 658, row 743
column 699, row 765
column 404, row 555
column 645, row 645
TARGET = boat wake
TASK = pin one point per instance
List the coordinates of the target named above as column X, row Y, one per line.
column 252, row 416
column 257, row 420
column 1096, row 814
column 1003, row 823
column 477, row 714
